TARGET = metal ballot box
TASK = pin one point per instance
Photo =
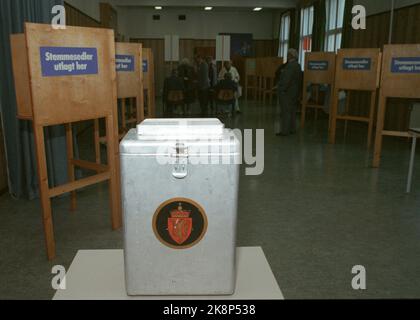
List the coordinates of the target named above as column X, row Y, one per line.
column 180, row 192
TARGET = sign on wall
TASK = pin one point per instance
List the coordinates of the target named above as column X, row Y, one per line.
column 318, row 65
column 223, row 48
column 405, row 65
column 171, row 48
column 67, row 61
column 359, row 64
column 124, row 63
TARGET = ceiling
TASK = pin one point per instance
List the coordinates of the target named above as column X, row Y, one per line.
column 216, row 4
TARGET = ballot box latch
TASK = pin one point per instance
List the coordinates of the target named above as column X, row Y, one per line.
column 180, row 170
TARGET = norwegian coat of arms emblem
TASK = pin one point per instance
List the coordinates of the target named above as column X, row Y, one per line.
column 180, row 223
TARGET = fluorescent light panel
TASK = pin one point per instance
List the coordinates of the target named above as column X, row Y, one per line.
column 208, row 8
column 257, row 9
column 158, row 8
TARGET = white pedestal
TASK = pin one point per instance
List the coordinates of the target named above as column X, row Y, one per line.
column 99, row 275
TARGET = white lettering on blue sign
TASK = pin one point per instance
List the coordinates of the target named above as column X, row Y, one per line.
column 318, row 65
column 364, row 64
column 124, row 63
column 405, row 65
column 63, row 61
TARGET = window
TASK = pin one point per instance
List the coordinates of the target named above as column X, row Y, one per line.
column 306, row 27
column 334, row 24
column 284, row 36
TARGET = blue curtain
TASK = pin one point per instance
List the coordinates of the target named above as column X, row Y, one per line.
column 18, row 134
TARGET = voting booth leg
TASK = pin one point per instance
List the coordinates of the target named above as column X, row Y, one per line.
column 97, row 142
column 379, row 129
column 70, row 163
column 44, row 191
column 304, row 105
column 113, row 165
column 123, row 114
column 411, row 168
column 140, row 109
column 371, row 118
column 333, row 128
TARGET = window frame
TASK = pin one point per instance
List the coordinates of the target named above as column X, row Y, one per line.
column 305, row 31
column 284, row 35
column 336, row 31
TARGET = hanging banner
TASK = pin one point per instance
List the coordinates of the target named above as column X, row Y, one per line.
column 318, row 65
column 405, row 65
column 363, row 64
column 145, row 66
column 124, row 63
column 64, row 61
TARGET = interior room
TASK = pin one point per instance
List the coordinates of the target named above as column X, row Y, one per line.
column 316, row 101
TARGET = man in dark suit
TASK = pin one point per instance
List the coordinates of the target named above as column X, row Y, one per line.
column 289, row 89
column 172, row 83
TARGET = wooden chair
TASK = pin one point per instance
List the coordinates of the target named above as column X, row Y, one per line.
column 226, row 97
column 175, row 98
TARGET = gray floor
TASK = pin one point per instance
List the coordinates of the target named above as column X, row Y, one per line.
column 317, row 211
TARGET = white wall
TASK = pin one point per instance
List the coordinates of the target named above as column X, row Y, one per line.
column 379, row 6
column 138, row 23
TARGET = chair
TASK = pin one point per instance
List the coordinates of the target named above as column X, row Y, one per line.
column 226, row 97
column 175, row 98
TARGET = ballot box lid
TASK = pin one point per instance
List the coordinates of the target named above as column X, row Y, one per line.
column 161, row 136
column 179, row 128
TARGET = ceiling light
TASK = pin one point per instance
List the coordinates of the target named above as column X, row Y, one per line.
column 208, row 8
column 158, row 8
column 257, row 9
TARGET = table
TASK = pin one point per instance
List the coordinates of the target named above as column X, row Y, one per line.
column 99, row 275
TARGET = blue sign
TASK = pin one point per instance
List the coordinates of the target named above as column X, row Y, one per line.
column 124, row 63
column 357, row 64
column 318, row 65
column 145, row 66
column 62, row 61
column 405, row 65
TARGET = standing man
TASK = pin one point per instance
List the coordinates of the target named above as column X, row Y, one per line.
column 213, row 81
column 289, row 89
column 229, row 68
column 203, row 84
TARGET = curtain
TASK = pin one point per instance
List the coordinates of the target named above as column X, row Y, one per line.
column 294, row 37
column 319, row 27
column 18, row 134
column 347, row 28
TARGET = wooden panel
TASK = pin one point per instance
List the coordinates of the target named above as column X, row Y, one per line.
column 149, row 82
column 366, row 80
column 129, row 84
column 251, row 66
column 76, row 18
column 320, row 76
column 59, row 100
column 21, row 76
column 109, row 17
column 401, row 85
column 406, row 31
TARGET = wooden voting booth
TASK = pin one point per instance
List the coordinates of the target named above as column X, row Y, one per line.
column 319, row 70
column 251, row 78
column 63, row 77
column 266, row 70
column 128, row 63
column 149, row 82
column 400, row 79
column 356, row 70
